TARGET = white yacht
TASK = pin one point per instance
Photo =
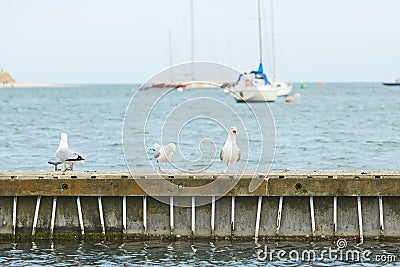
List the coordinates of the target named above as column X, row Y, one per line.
column 255, row 86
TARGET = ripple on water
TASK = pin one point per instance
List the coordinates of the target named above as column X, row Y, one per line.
column 219, row 253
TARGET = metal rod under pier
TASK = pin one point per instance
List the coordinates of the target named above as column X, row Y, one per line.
column 278, row 220
column 171, row 215
column 101, row 214
column 212, row 215
column 381, row 222
column 145, row 214
column 334, row 212
column 360, row 220
column 334, row 215
column 232, row 215
column 53, row 216
column 312, row 216
column 258, row 217
column 124, row 214
column 80, row 217
column 193, row 215
column 35, row 218
column 14, row 218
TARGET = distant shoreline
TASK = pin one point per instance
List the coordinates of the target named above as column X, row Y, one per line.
column 31, row 85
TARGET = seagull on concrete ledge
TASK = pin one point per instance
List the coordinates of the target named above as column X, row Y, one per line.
column 230, row 152
column 66, row 155
column 164, row 153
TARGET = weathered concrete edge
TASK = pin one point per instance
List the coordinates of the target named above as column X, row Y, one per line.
column 223, row 186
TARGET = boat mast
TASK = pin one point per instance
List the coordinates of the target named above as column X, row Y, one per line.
column 259, row 29
column 170, row 54
column 170, row 47
column 273, row 41
column 191, row 39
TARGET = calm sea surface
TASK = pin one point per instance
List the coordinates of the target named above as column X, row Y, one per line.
column 333, row 126
column 179, row 253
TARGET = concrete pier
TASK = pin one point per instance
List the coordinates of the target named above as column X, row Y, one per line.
column 361, row 205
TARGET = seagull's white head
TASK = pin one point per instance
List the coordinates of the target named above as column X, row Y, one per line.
column 63, row 141
column 63, row 136
column 233, row 130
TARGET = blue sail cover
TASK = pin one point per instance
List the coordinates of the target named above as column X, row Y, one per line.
column 260, row 68
column 260, row 71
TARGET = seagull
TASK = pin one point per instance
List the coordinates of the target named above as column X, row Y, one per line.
column 163, row 153
column 66, row 155
column 230, row 152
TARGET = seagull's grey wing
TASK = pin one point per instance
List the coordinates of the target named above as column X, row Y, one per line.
column 64, row 154
column 168, row 149
column 221, row 154
column 238, row 156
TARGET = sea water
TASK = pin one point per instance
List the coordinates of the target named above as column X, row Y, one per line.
column 333, row 126
column 185, row 253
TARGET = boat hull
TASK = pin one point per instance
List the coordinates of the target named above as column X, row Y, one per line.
column 394, row 83
column 250, row 89
column 391, row 84
column 260, row 96
column 264, row 93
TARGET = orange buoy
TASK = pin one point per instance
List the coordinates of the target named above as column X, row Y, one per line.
column 320, row 84
column 289, row 99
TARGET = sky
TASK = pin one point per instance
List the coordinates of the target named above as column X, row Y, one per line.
column 127, row 41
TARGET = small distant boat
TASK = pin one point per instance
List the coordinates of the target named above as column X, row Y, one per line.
column 165, row 85
column 395, row 83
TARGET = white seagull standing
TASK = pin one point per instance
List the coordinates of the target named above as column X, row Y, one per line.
column 66, row 155
column 163, row 153
column 230, row 152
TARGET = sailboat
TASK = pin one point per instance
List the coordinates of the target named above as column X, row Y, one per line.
column 255, row 86
column 395, row 83
column 184, row 81
column 171, row 83
column 283, row 88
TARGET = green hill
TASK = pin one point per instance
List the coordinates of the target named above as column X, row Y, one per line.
column 5, row 78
